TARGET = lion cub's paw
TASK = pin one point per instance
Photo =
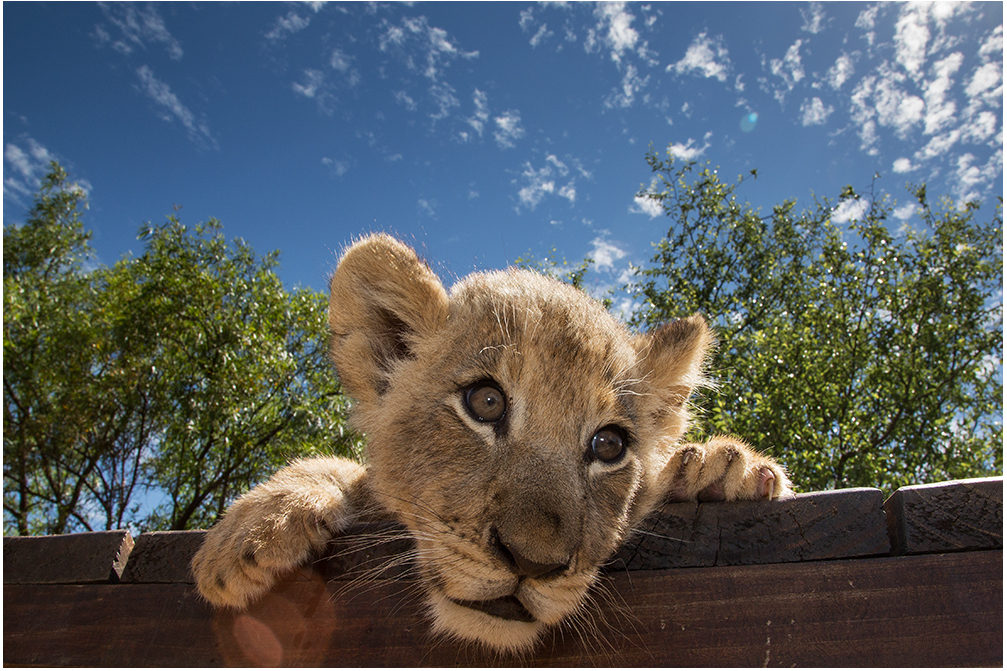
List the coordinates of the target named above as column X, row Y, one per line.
column 242, row 556
column 725, row 469
column 275, row 528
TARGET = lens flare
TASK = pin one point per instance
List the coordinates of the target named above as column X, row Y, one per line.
column 748, row 121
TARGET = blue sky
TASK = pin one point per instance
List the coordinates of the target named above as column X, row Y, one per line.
column 482, row 132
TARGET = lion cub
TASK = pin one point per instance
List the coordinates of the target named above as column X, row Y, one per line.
column 515, row 428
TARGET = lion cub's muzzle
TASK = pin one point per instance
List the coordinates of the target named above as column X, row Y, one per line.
column 505, row 607
column 510, row 552
column 510, row 607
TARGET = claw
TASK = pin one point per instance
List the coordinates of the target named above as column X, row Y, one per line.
column 767, row 482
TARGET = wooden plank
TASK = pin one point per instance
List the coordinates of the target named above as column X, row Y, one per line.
column 162, row 556
column 946, row 516
column 92, row 557
column 927, row 610
column 844, row 523
column 823, row 525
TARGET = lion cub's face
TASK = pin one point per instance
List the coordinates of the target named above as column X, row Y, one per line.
column 515, row 428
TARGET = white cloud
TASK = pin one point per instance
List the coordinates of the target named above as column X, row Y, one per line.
column 312, row 83
column 814, row 18
column 987, row 83
column 940, row 111
column 137, row 28
column 866, row 20
column 789, row 69
column 814, row 112
column 981, row 127
column 24, row 168
column 911, row 35
column 605, row 254
column 689, row 151
column 841, row 71
column 902, row 165
column 338, row 168
column 285, row 26
column 632, row 84
column 542, row 34
column 905, row 212
column 706, row 57
column 343, row 63
column 404, row 99
column 172, row 108
column 648, row 206
column 508, row 129
column 423, row 48
column 850, row 209
column 542, row 182
column 971, row 180
column 482, row 112
column 616, row 22
column 443, row 95
column 427, row 207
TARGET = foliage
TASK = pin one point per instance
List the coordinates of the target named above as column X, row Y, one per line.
column 859, row 357
column 152, row 392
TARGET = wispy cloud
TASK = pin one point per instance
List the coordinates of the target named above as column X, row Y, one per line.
column 689, row 151
column 814, row 112
column 841, row 71
column 171, row 108
column 136, row 28
column 285, row 26
column 538, row 183
column 423, row 48
column 814, row 18
column 427, row 207
column 481, row 114
column 604, row 253
column 26, row 162
column 508, row 129
column 790, row 69
column 706, row 57
column 648, row 206
column 614, row 35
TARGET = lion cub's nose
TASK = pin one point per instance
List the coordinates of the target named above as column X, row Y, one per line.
column 524, row 567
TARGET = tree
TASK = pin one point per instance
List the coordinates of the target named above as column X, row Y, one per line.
column 152, row 392
column 247, row 378
column 858, row 357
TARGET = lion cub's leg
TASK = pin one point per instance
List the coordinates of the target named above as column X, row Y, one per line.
column 276, row 526
column 723, row 469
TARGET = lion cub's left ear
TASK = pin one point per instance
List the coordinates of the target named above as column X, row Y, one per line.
column 671, row 359
column 382, row 301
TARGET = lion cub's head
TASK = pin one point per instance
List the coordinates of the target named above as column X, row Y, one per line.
column 513, row 426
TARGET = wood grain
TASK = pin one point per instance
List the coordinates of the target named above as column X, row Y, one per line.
column 926, row 610
column 946, row 516
column 93, row 557
column 822, row 525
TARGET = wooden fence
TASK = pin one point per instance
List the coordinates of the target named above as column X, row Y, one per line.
column 840, row 578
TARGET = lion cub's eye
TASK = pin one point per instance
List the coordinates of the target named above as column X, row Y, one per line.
column 609, row 444
column 486, row 402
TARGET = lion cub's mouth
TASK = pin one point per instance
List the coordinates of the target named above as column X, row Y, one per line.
column 504, row 607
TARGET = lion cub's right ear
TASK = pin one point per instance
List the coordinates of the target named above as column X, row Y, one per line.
column 382, row 301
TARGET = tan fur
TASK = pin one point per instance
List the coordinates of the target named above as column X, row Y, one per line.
column 516, row 511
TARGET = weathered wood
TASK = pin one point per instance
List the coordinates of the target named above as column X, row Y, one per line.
column 822, row 525
column 162, row 556
column 926, row 610
column 93, row 557
column 946, row 516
